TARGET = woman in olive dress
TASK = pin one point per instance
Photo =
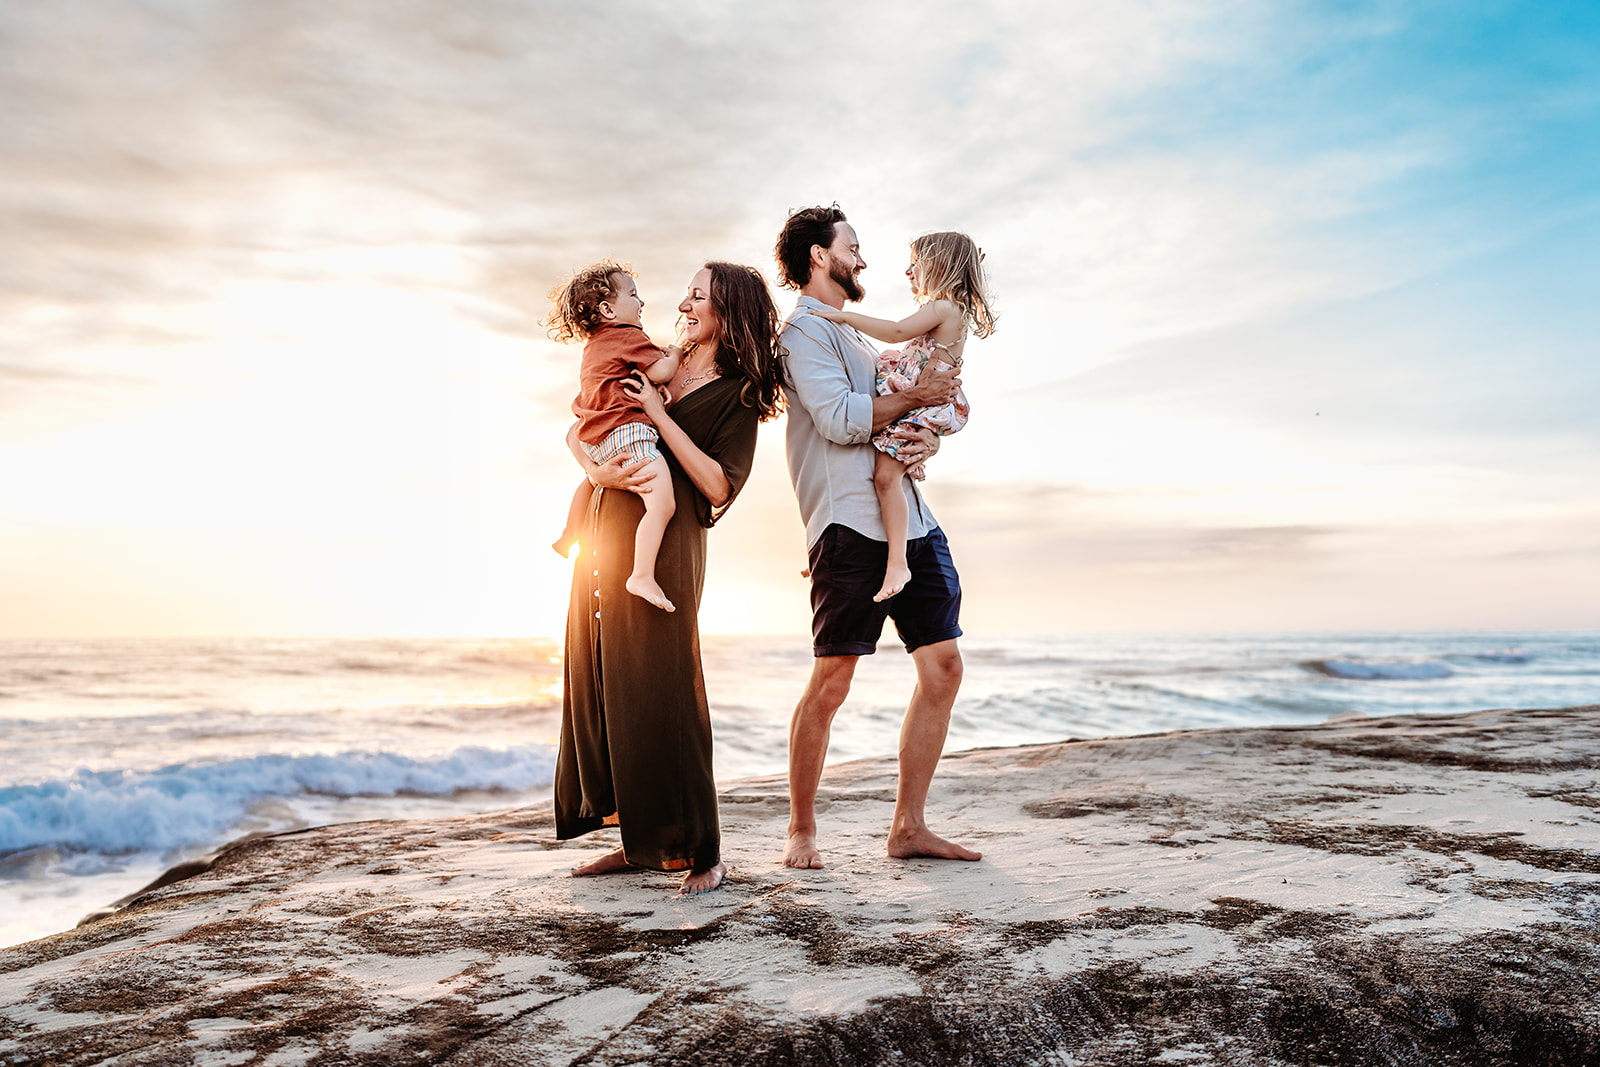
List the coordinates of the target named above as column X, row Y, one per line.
column 635, row 729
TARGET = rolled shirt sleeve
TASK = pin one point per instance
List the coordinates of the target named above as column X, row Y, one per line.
column 820, row 382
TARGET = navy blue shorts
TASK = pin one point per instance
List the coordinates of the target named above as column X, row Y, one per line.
column 847, row 570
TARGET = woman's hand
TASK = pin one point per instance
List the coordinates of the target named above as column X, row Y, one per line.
column 641, row 389
column 614, row 473
column 920, row 443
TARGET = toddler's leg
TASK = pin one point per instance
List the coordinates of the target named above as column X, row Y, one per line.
column 576, row 512
column 896, row 517
column 658, row 509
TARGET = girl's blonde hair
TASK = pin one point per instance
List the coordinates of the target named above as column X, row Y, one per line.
column 952, row 269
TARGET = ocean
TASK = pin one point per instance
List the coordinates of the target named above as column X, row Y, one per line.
column 122, row 757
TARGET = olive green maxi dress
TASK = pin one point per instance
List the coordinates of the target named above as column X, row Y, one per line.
column 635, row 729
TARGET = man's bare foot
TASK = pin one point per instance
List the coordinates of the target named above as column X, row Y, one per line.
column 801, row 851
column 704, row 882
column 903, row 845
column 893, row 581
column 611, row 863
column 647, row 589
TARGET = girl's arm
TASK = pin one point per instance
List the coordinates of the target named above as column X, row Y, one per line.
column 929, row 316
column 613, row 473
column 706, row 473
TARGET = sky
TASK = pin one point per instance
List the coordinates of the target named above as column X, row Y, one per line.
column 1298, row 319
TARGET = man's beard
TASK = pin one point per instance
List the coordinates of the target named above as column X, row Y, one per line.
column 846, row 279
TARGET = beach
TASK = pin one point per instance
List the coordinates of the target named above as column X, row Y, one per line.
column 1409, row 889
column 125, row 758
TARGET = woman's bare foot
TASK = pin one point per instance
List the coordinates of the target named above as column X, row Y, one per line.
column 611, row 863
column 801, row 851
column 647, row 589
column 704, row 882
column 905, row 844
column 894, row 581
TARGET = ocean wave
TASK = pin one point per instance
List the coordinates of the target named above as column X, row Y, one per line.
column 188, row 804
column 1509, row 655
column 1372, row 669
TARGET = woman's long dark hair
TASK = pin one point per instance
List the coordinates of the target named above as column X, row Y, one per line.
column 747, row 346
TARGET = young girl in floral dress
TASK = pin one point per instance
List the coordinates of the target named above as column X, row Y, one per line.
column 948, row 280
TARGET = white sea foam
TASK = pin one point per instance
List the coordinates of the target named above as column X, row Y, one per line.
column 1509, row 655
column 191, row 804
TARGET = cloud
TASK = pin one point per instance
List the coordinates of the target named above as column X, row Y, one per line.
column 220, row 141
column 316, row 239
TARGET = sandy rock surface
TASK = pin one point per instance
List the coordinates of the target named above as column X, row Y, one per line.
column 1407, row 890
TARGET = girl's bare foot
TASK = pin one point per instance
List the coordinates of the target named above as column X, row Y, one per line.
column 611, row 863
column 647, row 589
column 894, row 581
column 705, row 881
column 564, row 543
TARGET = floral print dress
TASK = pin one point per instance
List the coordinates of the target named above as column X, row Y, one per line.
column 898, row 370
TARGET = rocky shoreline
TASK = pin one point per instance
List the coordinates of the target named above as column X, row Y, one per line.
column 1404, row 890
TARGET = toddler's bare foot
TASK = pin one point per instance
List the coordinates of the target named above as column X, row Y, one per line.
column 801, row 851
column 611, row 863
column 904, row 844
column 893, row 581
column 704, row 882
column 647, row 589
column 564, row 543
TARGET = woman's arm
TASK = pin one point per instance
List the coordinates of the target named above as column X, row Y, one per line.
column 613, row 473
column 706, row 473
column 919, row 322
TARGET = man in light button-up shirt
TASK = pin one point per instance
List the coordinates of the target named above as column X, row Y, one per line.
column 833, row 411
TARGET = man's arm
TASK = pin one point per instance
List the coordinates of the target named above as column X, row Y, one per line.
column 816, row 373
column 937, row 384
column 817, row 376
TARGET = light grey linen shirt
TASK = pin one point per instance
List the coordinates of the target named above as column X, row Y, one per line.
column 829, row 376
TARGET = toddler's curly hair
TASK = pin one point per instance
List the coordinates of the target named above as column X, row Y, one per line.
column 575, row 303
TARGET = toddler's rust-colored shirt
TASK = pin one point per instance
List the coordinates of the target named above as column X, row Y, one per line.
column 609, row 358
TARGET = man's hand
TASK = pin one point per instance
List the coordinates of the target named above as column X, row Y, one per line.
column 920, row 443
column 936, row 385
